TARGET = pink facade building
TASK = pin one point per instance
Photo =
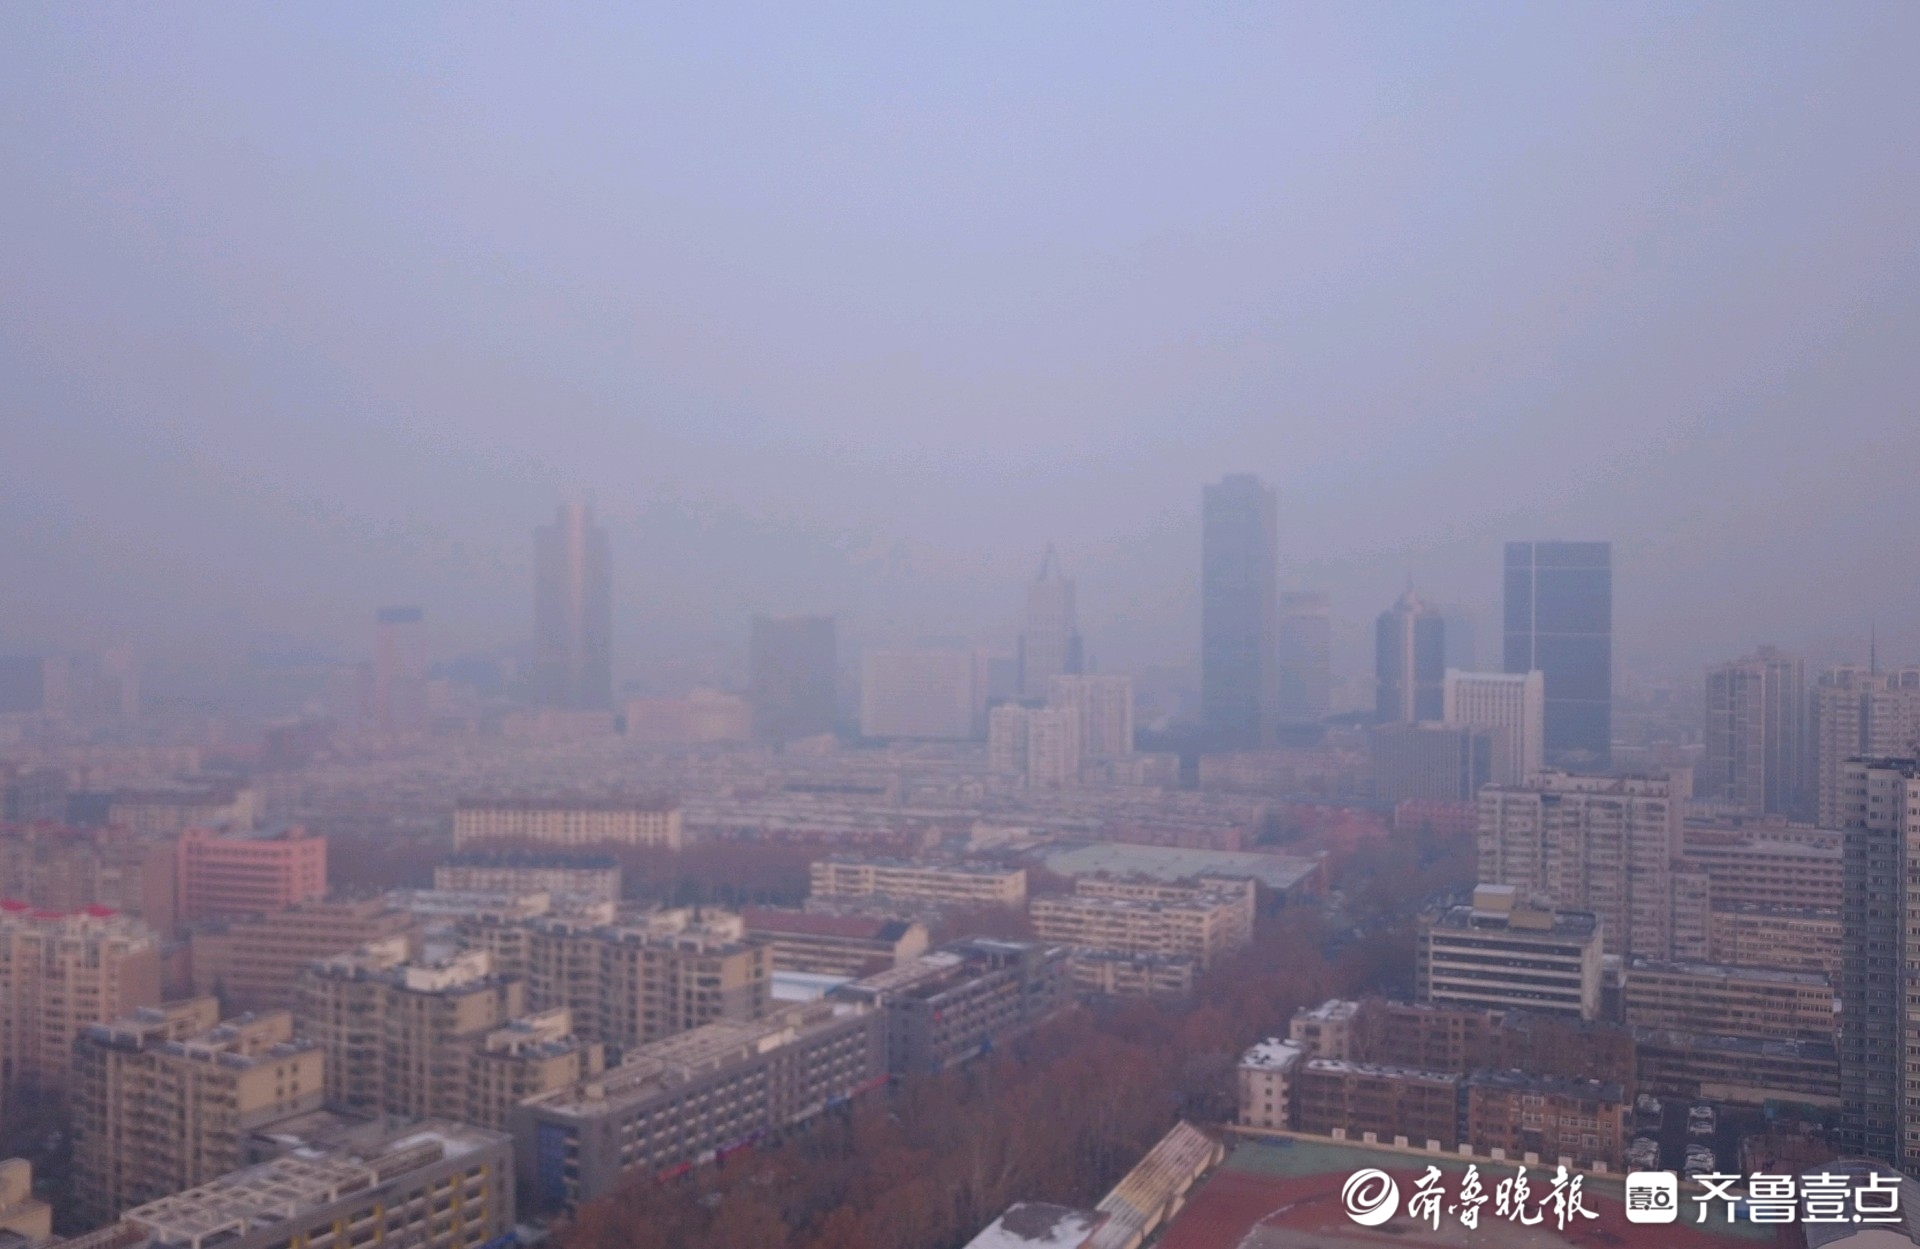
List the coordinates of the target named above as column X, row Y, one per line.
column 220, row 876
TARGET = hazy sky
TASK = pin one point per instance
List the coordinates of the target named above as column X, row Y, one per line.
column 308, row 308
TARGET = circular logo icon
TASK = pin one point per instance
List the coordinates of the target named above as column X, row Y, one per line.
column 1371, row 1197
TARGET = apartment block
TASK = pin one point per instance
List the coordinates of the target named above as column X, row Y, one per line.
column 1114, row 973
column 1728, row 1001
column 172, row 810
column 481, row 822
column 24, row 1218
column 1880, row 1016
column 1397, row 1034
column 1037, row 746
column 1793, row 938
column 1203, row 928
column 1433, row 762
column 524, row 1058
column 251, row 964
column 1499, row 955
column 60, row 973
column 222, row 876
column 567, row 879
column 55, row 868
column 1591, row 843
column 677, row 1103
column 1103, row 710
column 1266, row 1075
column 1390, row 1102
column 1769, row 868
column 1859, row 713
column 834, row 945
column 1756, row 736
column 1741, row 1071
column 960, row 1001
column 161, row 1100
column 1546, row 1117
column 434, row 1184
column 954, row 884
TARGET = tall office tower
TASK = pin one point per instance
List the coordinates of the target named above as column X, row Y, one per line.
column 1050, row 644
column 1594, row 843
column 1756, row 737
column 929, row 694
column 792, row 671
column 1559, row 621
column 1409, row 662
column 399, row 671
column 1239, row 611
column 59, row 973
column 1860, row 712
column 1306, row 658
column 1879, row 1022
column 573, row 612
column 1104, row 707
column 1515, row 704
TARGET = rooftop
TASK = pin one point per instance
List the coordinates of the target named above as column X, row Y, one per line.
column 1037, row 1225
column 1560, row 924
column 1272, row 1053
column 1173, row 863
column 1723, row 971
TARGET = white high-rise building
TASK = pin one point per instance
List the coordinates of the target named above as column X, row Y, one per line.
column 927, row 694
column 1050, row 644
column 1104, row 705
column 1515, row 703
column 1040, row 745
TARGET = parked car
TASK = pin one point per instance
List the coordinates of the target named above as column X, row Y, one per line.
column 1699, row 1160
column 1700, row 1121
column 1644, row 1154
column 1646, row 1109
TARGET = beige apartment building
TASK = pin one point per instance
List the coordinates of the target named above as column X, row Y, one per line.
column 524, row 1058
column 59, row 974
column 162, row 1099
column 1115, row 973
column 834, row 945
column 555, row 822
column 1266, row 1077
column 1203, row 928
column 1779, row 866
column 172, row 810
column 1728, row 1001
column 1240, row 894
column 1859, row 713
column 1791, row 938
column 252, row 964
column 21, row 1213
column 68, row 869
column 567, row 879
column 953, row 884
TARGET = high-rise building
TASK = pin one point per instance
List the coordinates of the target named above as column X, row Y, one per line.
column 573, row 613
column 250, row 964
column 1879, row 1016
column 1104, row 707
column 1239, row 611
column 60, row 973
column 399, row 671
column 1592, row 843
column 1050, row 644
column 1409, row 662
column 1860, row 713
column 923, row 694
column 792, row 672
column 1427, row 761
column 54, row 868
column 1039, row 745
column 1756, row 735
column 1306, row 657
column 1514, row 704
column 1559, row 621
column 163, row 1099
column 222, row 877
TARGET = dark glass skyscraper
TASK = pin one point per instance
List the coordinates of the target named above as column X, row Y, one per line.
column 1559, row 619
column 1239, row 611
column 792, row 671
column 1409, row 662
column 572, row 613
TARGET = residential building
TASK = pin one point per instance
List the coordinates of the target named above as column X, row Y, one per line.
column 1559, row 622
column 1514, row 704
column 1409, row 662
column 24, row 1219
column 527, row 1057
column 568, row 879
column 793, row 675
column 1500, row 955
column 1741, row 1071
column 1433, row 762
column 1728, row 1001
column 1793, row 938
column 434, row 1184
column 1203, row 928
column 549, row 822
column 1368, row 1101
column 1691, row 935
column 1398, row 1034
column 1879, row 1017
column 162, row 1099
column 1038, row 746
column 1547, row 1117
column 573, row 613
column 700, row 718
column 171, row 810
column 219, row 877
column 1768, row 868
column 1239, row 611
column 60, row 973
column 1756, row 736
column 1266, row 1075
column 1596, row 843
column 934, row 694
column 958, row 884
column 955, row 1004
column 1860, row 713
column 1120, row 973
column 1306, row 658
column 1050, row 644
column 834, row 945
column 676, row 1103
column 1103, row 706
column 251, row 964
column 54, row 868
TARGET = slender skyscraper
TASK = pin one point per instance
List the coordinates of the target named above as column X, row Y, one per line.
column 1559, row 620
column 1306, row 658
column 1409, row 662
column 1756, row 735
column 1050, row 644
column 399, row 671
column 573, row 612
column 792, row 673
column 1239, row 611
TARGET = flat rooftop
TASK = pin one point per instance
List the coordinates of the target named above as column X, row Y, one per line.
column 1174, row 863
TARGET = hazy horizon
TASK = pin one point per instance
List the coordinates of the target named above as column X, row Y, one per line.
column 317, row 309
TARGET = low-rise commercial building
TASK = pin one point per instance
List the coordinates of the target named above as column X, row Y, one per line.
column 834, row 945
column 1500, row 955
column 960, row 1001
column 1546, row 1117
column 562, row 822
column 954, row 884
column 676, row 1103
column 1728, row 1001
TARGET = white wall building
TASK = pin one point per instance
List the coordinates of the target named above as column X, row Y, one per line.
column 1515, row 703
column 1104, row 706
